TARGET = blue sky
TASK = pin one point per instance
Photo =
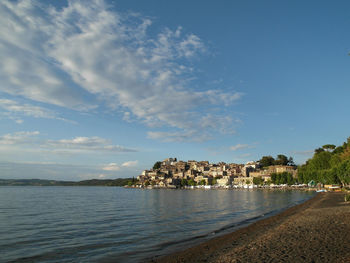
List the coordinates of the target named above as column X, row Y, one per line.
column 103, row 89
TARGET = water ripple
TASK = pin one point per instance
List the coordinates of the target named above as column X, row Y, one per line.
column 109, row 224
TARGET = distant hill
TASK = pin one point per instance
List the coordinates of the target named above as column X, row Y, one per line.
column 40, row 182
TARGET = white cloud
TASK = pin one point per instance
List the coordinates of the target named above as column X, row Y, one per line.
column 19, row 121
column 178, row 136
column 130, row 164
column 90, row 144
column 26, row 68
column 18, row 138
column 89, row 176
column 111, row 167
column 85, row 48
column 239, row 147
column 13, row 109
column 75, row 145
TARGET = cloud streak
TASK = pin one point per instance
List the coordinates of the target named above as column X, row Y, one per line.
column 18, row 138
column 130, row 164
column 14, row 110
column 240, row 147
column 91, row 144
column 112, row 167
column 85, row 55
column 74, row 145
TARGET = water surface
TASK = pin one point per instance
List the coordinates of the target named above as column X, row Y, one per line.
column 112, row 224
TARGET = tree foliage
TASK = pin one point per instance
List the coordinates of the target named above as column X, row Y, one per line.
column 282, row 178
column 184, row 182
column 328, row 147
column 258, row 180
column 192, row 182
column 267, row 161
column 281, row 159
column 157, row 165
column 329, row 165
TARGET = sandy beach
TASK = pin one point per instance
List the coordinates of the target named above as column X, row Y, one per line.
column 315, row 231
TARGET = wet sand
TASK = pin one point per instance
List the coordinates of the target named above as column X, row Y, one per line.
column 315, row 231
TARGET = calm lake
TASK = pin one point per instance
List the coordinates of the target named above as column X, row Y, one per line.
column 112, row 224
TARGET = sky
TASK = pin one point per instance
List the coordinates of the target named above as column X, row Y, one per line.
column 104, row 89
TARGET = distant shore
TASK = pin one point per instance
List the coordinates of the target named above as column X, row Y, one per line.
column 314, row 231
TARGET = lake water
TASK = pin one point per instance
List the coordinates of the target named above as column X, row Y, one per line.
column 112, row 224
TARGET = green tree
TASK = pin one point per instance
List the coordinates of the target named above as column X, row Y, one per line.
column 273, row 178
column 290, row 179
column 258, row 180
column 329, row 165
column 335, row 160
column 343, row 172
column 267, row 161
column 213, row 181
column 319, row 150
column 281, row 160
column 291, row 161
column 338, row 150
column 184, row 182
column 321, row 161
column 157, row 165
column 192, row 182
column 202, row 182
column 328, row 147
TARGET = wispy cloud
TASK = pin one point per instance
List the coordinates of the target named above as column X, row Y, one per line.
column 90, row 144
column 88, row 49
column 240, row 147
column 244, row 156
column 15, row 111
column 18, row 138
column 179, row 136
column 74, row 145
column 130, row 164
column 111, row 167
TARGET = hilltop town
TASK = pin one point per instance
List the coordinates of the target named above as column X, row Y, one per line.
column 172, row 173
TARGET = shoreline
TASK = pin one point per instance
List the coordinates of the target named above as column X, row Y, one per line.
column 251, row 187
column 313, row 231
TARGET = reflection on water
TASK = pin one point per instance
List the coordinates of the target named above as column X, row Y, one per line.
column 110, row 224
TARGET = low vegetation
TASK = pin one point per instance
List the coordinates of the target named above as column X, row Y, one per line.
column 347, row 197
